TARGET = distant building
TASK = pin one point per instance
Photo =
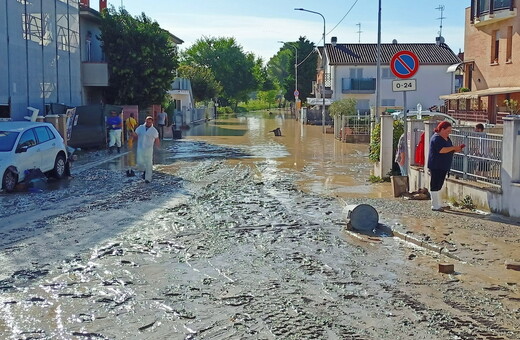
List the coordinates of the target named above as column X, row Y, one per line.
column 351, row 72
column 39, row 56
column 491, row 58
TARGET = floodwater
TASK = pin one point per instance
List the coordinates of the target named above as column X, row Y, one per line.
column 225, row 244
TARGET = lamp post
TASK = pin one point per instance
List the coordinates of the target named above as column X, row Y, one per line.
column 322, row 66
column 295, row 68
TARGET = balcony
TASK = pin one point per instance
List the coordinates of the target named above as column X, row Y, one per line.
column 94, row 74
column 485, row 12
column 358, row 85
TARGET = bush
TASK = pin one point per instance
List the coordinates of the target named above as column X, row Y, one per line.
column 375, row 140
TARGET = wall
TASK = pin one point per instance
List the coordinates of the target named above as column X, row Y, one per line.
column 39, row 66
column 477, row 47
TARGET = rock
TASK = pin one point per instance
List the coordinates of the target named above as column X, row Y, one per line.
column 446, row 268
column 513, row 265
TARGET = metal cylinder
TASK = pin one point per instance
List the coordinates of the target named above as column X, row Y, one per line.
column 362, row 217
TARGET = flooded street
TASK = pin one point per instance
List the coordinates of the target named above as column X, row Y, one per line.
column 240, row 235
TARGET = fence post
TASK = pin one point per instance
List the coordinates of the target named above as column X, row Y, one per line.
column 465, row 158
column 386, row 147
column 510, row 171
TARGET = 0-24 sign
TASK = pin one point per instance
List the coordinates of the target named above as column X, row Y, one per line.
column 404, row 85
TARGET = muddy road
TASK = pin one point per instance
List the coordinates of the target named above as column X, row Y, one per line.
column 233, row 239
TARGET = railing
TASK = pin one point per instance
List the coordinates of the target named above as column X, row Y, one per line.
column 489, row 6
column 359, row 85
column 481, row 159
column 353, row 126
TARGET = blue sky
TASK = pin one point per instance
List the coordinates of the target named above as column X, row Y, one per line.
column 258, row 25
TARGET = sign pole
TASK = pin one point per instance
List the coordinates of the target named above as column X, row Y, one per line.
column 405, row 133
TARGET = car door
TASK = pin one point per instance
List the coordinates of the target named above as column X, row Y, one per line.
column 47, row 147
column 27, row 155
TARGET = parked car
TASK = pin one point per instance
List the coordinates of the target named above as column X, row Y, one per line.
column 30, row 145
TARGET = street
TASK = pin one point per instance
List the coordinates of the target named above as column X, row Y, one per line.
column 240, row 235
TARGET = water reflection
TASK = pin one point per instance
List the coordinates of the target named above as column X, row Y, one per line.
column 324, row 164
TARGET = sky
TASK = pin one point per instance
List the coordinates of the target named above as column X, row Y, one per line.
column 258, row 25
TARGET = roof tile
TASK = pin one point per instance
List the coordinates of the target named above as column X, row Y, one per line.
column 428, row 54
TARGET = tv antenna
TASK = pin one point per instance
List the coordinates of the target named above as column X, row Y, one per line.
column 441, row 9
column 359, row 31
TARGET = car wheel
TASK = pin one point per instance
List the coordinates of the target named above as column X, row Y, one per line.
column 9, row 181
column 59, row 167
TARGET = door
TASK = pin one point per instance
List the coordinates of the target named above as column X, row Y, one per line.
column 47, row 147
column 27, row 155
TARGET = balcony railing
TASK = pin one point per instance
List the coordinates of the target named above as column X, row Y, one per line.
column 484, row 12
column 359, row 85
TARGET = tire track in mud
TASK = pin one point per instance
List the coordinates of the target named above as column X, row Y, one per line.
column 463, row 321
column 243, row 255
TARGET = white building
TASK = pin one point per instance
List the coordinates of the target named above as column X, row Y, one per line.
column 351, row 72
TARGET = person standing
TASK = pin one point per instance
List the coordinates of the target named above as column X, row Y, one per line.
column 162, row 120
column 131, row 124
column 400, row 156
column 147, row 136
column 440, row 158
column 115, row 124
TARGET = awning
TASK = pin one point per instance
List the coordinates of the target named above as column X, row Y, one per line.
column 453, row 68
column 319, row 101
column 481, row 93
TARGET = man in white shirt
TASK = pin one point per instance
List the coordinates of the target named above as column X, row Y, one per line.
column 147, row 137
column 162, row 120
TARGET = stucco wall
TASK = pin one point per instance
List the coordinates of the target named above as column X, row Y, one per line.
column 432, row 82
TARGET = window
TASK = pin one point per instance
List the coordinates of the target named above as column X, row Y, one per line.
column 495, row 42
column 27, row 140
column 44, row 134
column 7, row 140
column 509, row 47
column 356, row 73
column 363, row 106
column 387, row 73
column 388, row 102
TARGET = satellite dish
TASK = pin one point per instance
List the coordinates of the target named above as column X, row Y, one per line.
column 394, row 41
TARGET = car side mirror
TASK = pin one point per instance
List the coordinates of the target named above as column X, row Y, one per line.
column 21, row 149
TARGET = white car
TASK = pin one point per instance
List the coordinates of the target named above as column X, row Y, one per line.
column 30, row 145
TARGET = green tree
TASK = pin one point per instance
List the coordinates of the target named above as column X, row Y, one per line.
column 142, row 58
column 281, row 68
column 232, row 68
column 343, row 107
column 203, row 82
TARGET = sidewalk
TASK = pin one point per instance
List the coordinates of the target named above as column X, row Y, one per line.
column 479, row 244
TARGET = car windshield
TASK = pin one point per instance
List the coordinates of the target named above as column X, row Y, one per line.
column 7, row 140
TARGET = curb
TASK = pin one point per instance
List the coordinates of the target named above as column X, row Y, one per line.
column 425, row 245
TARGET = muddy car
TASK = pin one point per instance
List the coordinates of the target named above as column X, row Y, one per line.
column 30, row 145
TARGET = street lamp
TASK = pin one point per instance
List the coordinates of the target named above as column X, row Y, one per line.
column 295, row 69
column 322, row 66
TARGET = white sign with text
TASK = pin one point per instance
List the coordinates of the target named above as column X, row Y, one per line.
column 404, row 85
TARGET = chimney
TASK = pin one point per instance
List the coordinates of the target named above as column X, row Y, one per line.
column 85, row 3
column 102, row 5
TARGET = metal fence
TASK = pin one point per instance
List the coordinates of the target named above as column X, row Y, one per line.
column 352, row 126
column 481, row 159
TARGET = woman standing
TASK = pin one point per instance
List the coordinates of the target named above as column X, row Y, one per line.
column 439, row 161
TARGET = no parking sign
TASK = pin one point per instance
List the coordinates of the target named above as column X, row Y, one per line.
column 404, row 64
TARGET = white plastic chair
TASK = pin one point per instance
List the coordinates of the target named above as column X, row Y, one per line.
column 32, row 118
